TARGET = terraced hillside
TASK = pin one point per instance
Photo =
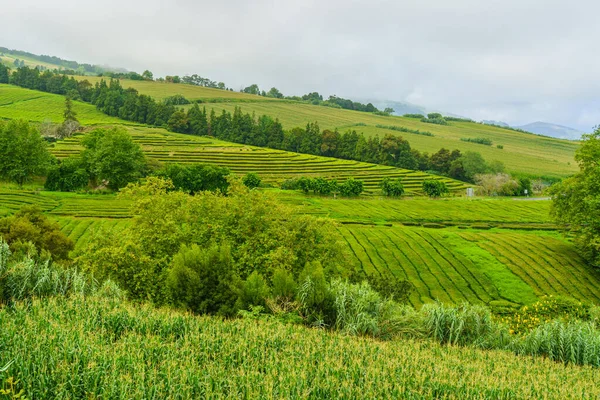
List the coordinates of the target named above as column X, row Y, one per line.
column 497, row 252
column 521, row 152
column 478, row 266
column 35, row 106
column 274, row 166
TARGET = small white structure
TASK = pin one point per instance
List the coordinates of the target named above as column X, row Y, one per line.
column 470, row 192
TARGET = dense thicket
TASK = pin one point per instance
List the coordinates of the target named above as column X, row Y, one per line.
column 209, row 251
column 576, row 201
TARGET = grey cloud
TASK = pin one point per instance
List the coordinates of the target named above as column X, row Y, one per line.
column 512, row 60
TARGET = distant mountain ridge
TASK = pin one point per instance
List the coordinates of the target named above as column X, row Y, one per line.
column 552, row 130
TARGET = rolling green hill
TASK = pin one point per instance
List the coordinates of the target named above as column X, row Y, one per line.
column 274, row 166
column 35, row 106
column 521, row 152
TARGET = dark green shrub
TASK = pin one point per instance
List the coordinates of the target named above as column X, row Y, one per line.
column 69, row 175
column 435, row 188
column 251, row 180
column 392, row 187
column 351, row 187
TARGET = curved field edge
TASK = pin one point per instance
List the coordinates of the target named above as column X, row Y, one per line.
column 489, row 267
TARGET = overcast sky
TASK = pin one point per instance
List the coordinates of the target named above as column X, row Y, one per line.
column 517, row 61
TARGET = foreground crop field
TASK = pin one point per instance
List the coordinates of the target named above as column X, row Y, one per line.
column 274, row 166
column 478, row 266
column 94, row 348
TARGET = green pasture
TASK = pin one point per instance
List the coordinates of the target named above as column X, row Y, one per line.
column 456, row 210
column 35, row 106
column 161, row 90
column 521, row 152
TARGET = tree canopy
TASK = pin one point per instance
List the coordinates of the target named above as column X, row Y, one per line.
column 576, row 201
column 23, row 152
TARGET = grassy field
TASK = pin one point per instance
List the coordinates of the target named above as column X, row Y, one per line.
column 100, row 348
column 35, row 106
column 491, row 251
column 161, row 90
column 274, row 166
column 521, row 152
column 419, row 209
column 525, row 153
column 478, row 266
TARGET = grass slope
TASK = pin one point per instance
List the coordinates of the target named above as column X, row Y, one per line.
column 490, row 267
column 35, row 106
column 95, row 348
column 522, row 152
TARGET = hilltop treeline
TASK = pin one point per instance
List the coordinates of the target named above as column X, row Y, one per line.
column 393, row 150
column 74, row 65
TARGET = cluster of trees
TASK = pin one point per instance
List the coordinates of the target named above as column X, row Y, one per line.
column 29, row 232
column 211, row 253
column 4, row 73
column 349, row 188
column 238, row 127
column 435, row 118
column 502, row 184
column 485, row 141
column 576, row 201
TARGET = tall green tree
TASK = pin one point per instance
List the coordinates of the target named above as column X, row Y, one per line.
column 113, row 158
column 576, row 201
column 3, row 73
column 23, row 152
column 69, row 114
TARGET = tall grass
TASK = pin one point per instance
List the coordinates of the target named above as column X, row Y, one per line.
column 90, row 347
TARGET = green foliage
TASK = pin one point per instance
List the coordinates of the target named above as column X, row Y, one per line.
column 575, row 342
column 69, row 175
column 417, row 116
column 576, row 201
column 23, row 152
column 112, row 157
column 283, row 285
column 251, row 180
column 27, row 278
column 351, row 187
column 263, row 236
column 463, row 325
column 435, row 118
column 4, row 72
column 29, row 227
column 196, row 177
column 202, row 280
column 434, row 188
column 255, row 291
column 405, row 130
column 392, row 187
column 485, row 141
column 176, row 100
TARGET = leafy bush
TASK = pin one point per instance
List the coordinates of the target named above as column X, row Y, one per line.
column 69, row 175
column 392, row 187
column 463, row 325
column 403, row 129
column 497, row 184
column 176, row 100
column 418, row 116
column 434, row 188
column 435, row 118
column 29, row 231
column 251, row 180
column 485, row 141
column 351, row 187
column 202, row 280
column 196, row 178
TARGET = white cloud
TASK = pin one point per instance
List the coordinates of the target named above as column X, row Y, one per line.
column 517, row 60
